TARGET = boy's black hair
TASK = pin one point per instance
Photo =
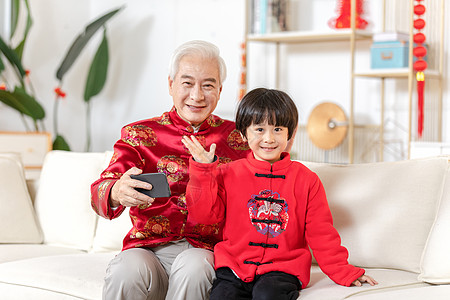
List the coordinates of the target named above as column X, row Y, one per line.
column 263, row 104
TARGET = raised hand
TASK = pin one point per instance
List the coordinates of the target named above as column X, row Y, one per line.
column 197, row 151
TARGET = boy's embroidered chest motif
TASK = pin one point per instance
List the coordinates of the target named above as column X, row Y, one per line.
column 268, row 213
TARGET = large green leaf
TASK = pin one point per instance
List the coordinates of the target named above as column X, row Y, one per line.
column 19, row 49
column 12, row 57
column 2, row 65
column 33, row 107
column 15, row 9
column 12, row 101
column 81, row 41
column 29, row 19
column 60, row 144
column 97, row 73
column 23, row 103
column 29, row 23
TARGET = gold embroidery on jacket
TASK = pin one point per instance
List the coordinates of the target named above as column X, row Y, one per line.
column 174, row 167
column 236, row 142
column 163, row 120
column 181, row 203
column 112, row 175
column 214, row 121
column 140, row 135
column 157, row 225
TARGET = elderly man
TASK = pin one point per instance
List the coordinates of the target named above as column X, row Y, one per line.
column 166, row 254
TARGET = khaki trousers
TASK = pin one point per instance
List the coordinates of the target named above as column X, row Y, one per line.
column 176, row 271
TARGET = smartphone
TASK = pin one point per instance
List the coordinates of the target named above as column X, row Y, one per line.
column 159, row 183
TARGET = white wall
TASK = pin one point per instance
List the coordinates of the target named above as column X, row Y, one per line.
column 142, row 37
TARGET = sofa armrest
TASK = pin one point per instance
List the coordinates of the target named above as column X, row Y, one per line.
column 18, row 221
column 435, row 265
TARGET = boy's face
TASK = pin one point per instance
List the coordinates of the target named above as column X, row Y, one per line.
column 267, row 141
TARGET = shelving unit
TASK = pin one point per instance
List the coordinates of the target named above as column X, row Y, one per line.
column 308, row 36
column 352, row 36
column 298, row 37
column 436, row 9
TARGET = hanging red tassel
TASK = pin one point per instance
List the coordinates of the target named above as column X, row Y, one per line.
column 420, row 113
column 420, row 65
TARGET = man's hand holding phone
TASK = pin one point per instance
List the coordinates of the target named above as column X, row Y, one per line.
column 160, row 186
column 124, row 190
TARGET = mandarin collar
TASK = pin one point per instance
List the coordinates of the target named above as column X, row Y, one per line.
column 283, row 163
column 186, row 126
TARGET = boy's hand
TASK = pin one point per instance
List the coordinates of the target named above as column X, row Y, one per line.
column 364, row 278
column 197, row 151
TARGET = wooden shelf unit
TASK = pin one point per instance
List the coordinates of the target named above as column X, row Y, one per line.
column 352, row 35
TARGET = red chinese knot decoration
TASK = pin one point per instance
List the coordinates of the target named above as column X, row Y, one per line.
column 420, row 64
column 344, row 11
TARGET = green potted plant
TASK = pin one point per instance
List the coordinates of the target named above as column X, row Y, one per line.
column 17, row 91
column 96, row 77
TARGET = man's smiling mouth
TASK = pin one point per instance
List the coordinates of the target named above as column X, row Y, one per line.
column 195, row 107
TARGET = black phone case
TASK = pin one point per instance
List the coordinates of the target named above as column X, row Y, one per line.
column 159, row 183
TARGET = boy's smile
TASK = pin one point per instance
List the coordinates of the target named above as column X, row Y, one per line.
column 267, row 141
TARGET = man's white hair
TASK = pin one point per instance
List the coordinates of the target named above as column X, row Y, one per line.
column 201, row 48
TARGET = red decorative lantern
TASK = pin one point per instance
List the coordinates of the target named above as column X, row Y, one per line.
column 420, row 64
column 344, row 11
column 419, row 38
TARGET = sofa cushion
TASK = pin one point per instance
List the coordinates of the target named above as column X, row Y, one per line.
column 409, row 292
column 12, row 252
column 76, row 275
column 322, row 287
column 384, row 211
column 63, row 198
column 18, row 220
column 435, row 267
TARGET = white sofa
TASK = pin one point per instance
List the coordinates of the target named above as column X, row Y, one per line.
column 394, row 218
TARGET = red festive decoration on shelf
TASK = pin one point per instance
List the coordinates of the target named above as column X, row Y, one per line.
column 243, row 80
column 344, row 11
column 420, row 64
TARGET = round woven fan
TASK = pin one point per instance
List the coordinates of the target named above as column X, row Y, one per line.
column 327, row 125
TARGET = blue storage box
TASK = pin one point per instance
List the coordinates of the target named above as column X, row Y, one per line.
column 392, row 54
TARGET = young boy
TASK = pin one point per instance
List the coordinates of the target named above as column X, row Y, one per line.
column 272, row 209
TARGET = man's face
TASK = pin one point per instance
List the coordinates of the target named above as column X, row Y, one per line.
column 196, row 88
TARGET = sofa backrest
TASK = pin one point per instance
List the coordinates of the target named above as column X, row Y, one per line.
column 384, row 211
column 63, row 197
column 109, row 234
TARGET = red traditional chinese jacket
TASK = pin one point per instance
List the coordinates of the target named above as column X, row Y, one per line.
column 273, row 214
column 154, row 145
